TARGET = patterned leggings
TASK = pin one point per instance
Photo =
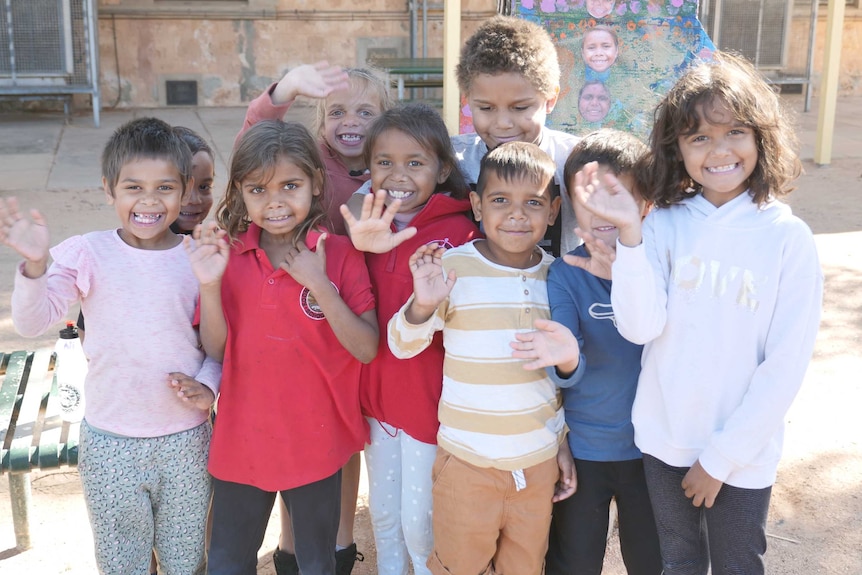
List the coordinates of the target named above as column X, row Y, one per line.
column 144, row 493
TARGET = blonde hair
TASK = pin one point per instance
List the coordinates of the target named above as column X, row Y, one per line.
column 367, row 78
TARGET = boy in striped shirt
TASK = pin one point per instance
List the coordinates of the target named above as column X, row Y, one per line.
column 501, row 422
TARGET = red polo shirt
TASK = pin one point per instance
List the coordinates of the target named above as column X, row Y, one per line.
column 288, row 410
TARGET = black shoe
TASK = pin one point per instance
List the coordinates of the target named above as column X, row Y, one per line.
column 284, row 562
column 345, row 559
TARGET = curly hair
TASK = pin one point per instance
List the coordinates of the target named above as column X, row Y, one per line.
column 256, row 154
column 731, row 80
column 507, row 44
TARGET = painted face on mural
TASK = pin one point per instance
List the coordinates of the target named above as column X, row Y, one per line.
column 599, row 49
column 600, row 8
column 594, row 102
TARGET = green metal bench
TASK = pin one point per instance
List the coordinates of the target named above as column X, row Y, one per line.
column 412, row 72
column 32, row 436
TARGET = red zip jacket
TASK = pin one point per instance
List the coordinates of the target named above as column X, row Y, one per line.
column 404, row 392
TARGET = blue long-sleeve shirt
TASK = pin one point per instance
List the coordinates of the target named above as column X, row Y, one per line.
column 598, row 403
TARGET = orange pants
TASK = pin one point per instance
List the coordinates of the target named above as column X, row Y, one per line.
column 482, row 524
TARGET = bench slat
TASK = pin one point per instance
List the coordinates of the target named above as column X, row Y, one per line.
column 10, row 401
column 50, row 444
column 27, row 426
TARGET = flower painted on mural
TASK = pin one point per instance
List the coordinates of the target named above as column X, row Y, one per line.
column 635, row 6
column 548, row 6
column 631, row 26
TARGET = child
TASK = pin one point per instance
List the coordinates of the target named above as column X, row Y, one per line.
column 509, row 74
column 414, row 172
column 599, row 48
column 500, row 420
column 598, row 399
column 145, row 432
column 347, row 102
column 277, row 297
column 723, row 286
column 198, row 203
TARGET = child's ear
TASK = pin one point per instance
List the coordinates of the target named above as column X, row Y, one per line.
column 108, row 193
column 317, row 184
column 551, row 102
column 444, row 174
column 476, row 203
column 555, row 209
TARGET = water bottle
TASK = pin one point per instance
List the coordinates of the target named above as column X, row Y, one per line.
column 71, row 370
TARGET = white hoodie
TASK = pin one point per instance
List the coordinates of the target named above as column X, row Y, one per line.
column 727, row 301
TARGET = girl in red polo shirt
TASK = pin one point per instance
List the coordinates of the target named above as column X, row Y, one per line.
column 290, row 312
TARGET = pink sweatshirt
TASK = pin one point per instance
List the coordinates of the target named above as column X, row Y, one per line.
column 139, row 306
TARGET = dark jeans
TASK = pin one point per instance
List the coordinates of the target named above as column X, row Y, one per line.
column 731, row 535
column 241, row 512
column 579, row 527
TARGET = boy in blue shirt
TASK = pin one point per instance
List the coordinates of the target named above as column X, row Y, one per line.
column 598, row 404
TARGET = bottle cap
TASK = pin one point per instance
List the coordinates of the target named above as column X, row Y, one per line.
column 69, row 332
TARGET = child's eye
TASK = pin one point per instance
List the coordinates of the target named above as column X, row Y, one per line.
column 336, row 113
column 166, row 188
column 534, row 203
column 737, row 131
column 498, row 200
column 366, row 113
column 205, row 188
column 385, row 163
column 520, row 108
column 485, row 108
column 414, row 163
column 290, row 186
column 257, row 190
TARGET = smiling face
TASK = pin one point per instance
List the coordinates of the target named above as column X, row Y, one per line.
column 600, row 8
column 280, row 200
column 198, row 202
column 147, row 199
column 346, row 118
column 406, row 170
column 507, row 108
column 599, row 227
column 594, row 102
column 599, row 50
column 515, row 215
column 720, row 154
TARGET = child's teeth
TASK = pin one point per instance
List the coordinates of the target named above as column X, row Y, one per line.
column 147, row 218
column 719, row 169
column 350, row 137
column 399, row 195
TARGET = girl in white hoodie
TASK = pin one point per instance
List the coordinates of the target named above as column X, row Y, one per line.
column 723, row 286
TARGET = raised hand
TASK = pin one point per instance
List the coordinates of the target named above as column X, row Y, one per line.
column 190, row 390
column 208, row 250
column 372, row 232
column 316, row 80
column 307, row 267
column 550, row 344
column 27, row 236
column 601, row 258
column 608, row 199
column 430, row 286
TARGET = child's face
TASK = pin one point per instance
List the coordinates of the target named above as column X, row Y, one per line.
column 147, row 199
column 406, row 170
column 721, row 154
column 280, row 200
column 600, row 228
column 599, row 50
column 348, row 114
column 594, row 103
column 198, row 202
column 599, row 8
column 515, row 215
column 507, row 108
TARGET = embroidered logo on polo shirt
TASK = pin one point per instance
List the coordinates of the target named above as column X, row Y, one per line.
column 442, row 243
column 310, row 306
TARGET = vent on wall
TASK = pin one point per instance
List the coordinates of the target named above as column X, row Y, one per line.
column 181, row 92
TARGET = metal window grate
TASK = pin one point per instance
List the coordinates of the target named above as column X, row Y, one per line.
column 181, row 92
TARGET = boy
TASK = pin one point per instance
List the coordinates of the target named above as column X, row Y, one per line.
column 146, row 431
column 509, row 74
column 598, row 400
column 500, row 419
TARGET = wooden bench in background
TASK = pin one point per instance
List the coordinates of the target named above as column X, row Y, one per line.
column 412, row 72
column 32, row 435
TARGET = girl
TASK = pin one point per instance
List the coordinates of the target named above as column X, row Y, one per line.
column 282, row 293
column 199, row 201
column 145, row 434
column 415, row 174
column 599, row 49
column 730, row 322
column 347, row 101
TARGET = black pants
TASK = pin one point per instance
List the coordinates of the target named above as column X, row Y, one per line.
column 579, row 527
column 241, row 512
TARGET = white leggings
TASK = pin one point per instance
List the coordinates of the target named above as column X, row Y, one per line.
column 399, row 493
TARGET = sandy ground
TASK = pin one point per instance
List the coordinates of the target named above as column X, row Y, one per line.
column 815, row 522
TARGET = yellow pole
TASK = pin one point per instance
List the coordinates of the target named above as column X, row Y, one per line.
column 829, row 83
column 451, row 50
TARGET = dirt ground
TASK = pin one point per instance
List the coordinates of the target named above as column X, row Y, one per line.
column 815, row 521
